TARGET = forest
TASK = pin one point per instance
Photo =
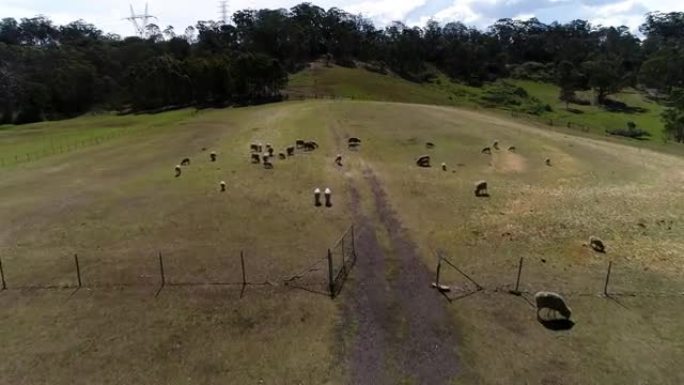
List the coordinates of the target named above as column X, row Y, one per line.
column 50, row 72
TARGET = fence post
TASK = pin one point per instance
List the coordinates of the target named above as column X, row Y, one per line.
column 353, row 242
column 78, row 270
column 517, row 281
column 2, row 276
column 242, row 262
column 161, row 270
column 605, row 288
column 330, row 275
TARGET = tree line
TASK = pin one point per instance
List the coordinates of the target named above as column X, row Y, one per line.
column 53, row 72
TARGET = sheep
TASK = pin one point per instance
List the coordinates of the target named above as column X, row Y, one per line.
column 270, row 151
column 353, row 142
column 310, row 145
column 423, row 161
column 597, row 244
column 254, row 147
column 265, row 158
column 548, row 162
column 481, row 189
column 444, row 166
column 552, row 301
column 299, row 143
column 185, row 162
column 317, row 197
column 213, row 156
column 511, row 149
column 223, row 186
column 267, row 164
column 290, row 151
column 496, row 145
column 429, row 145
column 178, row 171
column 338, row 160
column 256, row 158
column 282, row 156
column 260, row 148
column 328, row 197
column 486, row 150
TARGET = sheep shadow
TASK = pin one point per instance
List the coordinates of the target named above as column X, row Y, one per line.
column 557, row 324
column 483, row 195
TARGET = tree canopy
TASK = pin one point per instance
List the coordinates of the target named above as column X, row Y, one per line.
column 50, row 72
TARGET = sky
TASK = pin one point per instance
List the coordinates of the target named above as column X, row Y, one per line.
column 108, row 15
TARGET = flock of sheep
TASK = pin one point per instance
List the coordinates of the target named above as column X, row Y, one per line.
column 552, row 302
column 264, row 154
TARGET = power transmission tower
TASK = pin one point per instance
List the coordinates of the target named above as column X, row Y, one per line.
column 223, row 12
column 140, row 28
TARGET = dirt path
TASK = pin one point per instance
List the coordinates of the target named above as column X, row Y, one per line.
column 403, row 332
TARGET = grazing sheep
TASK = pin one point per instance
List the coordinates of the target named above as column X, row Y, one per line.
column 310, row 145
column 552, row 301
column 423, row 161
column 496, row 145
column 282, row 156
column 178, row 171
column 256, row 158
column 338, row 160
column 444, row 166
column 486, row 150
column 270, row 151
column 354, row 142
column 548, row 162
column 317, row 197
column 213, row 156
column 597, row 244
column 267, row 164
column 223, row 186
column 185, row 162
column 260, row 148
column 481, row 189
column 290, row 151
column 511, row 149
column 429, row 145
column 254, row 147
column 265, row 157
column 299, row 144
column 328, row 197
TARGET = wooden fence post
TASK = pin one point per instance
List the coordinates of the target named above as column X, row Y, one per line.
column 517, row 281
column 353, row 242
column 244, row 275
column 2, row 276
column 78, row 270
column 605, row 288
column 331, row 282
column 161, row 270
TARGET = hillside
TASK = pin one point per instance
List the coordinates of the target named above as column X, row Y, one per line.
column 360, row 84
column 116, row 203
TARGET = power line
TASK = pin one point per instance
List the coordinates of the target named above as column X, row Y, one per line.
column 223, row 12
column 140, row 28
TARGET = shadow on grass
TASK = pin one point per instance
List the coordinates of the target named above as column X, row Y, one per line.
column 557, row 324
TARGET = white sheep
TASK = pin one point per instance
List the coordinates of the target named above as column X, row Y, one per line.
column 223, row 186
column 178, row 170
column 328, row 197
column 552, row 301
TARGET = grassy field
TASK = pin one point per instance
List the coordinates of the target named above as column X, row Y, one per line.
column 360, row 84
column 118, row 205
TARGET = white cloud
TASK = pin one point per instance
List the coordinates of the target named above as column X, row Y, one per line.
column 108, row 14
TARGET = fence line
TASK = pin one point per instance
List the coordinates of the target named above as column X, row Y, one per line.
column 330, row 285
column 505, row 289
column 61, row 148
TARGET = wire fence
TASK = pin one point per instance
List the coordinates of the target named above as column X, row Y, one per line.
column 52, row 148
column 527, row 276
column 325, row 275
